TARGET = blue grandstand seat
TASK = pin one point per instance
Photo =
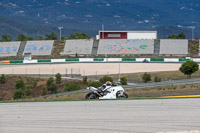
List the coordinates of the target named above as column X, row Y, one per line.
column 31, row 48
column 39, row 47
column 9, row 48
column 14, row 48
column 45, row 48
column 1, row 49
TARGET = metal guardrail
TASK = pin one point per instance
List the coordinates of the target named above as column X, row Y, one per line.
column 164, row 83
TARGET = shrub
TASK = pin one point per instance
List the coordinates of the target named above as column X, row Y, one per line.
column 44, row 91
column 19, row 94
column 20, row 84
column 71, row 87
column 123, row 80
column 28, row 90
column 3, row 79
column 171, row 87
column 146, row 77
column 157, row 79
column 183, row 86
column 104, row 79
column 85, row 80
column 52, row 88
column 50, row 81
column 35, row 83
column 58, row 78
column 95, row 84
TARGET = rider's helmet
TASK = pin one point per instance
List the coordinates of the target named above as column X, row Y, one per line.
column 108, row 83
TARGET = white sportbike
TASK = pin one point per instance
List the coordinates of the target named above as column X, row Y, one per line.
column 109, row 92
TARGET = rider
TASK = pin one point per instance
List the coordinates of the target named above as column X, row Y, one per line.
column 107, row 84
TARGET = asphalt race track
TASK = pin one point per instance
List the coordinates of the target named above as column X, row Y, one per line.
column 121, row 116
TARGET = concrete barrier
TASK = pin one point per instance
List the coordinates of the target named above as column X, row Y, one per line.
column 172, row 60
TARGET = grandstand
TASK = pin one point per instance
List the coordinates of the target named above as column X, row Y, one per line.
column 81, row 47
column 9, row 48
column 124, row 46
column 174, row 46
column 39, row 47
column 100, row 48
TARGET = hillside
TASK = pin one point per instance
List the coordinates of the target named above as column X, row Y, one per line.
column 38, row 17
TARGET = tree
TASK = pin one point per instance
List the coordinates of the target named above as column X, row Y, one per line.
column 21, row 37
column 104, row 79
column 20, row 84
column 181, row 35
column 173, row 36
column 49, row 82
column 189, row 67
column 78, row 36
column 40, row 38
column 146, row 77
column 51, row 86
column 3, row 79
column 123, row 80
column 63, row 38
column 6, row 38
column 58, row 78
column 29, row 38
column 51, row 36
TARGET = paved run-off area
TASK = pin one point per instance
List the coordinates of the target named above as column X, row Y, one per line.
column 121, row 116
column 88, row 68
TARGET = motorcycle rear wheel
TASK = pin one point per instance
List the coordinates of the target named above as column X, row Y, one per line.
column 91, row 95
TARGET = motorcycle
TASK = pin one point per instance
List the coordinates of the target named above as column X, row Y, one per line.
column 110, row 92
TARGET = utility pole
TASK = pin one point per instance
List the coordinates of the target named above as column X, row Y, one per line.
column 119, row 72
column 60, row 28
column 103, row 31
column 192, row 27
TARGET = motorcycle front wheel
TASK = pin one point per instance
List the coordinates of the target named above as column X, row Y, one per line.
column 91, row 95
column 122, row 96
